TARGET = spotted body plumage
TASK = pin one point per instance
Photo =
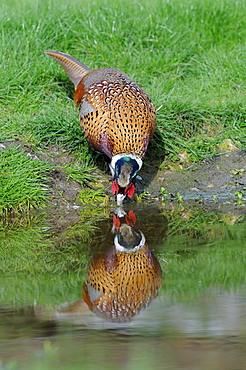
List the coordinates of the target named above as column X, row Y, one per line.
column 123, row 279
column 117, row 117
column 123, row 115
column 119, row 286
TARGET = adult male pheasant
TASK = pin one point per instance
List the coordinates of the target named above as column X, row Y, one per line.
column 117, row 117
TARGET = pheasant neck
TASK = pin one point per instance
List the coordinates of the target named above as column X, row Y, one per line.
column 135, row 248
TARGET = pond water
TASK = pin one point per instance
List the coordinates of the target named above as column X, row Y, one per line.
column 145, row 287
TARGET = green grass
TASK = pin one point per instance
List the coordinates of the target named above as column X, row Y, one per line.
column 81, row 174
column 188, row 56
column 22, row 181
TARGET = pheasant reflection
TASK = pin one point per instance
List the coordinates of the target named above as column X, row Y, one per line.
column 126, row 278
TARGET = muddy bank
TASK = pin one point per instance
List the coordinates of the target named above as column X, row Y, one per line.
column 217, row 178
column 214, row 179
column 221, row 178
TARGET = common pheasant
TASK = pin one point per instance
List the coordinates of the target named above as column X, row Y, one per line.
column 117, row 117
column 125, row 278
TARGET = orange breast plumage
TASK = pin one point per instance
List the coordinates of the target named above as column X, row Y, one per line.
column 120, row 285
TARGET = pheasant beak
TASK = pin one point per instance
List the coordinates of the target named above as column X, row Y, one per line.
column 120, row 198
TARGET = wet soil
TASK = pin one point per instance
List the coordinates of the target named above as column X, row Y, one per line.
column 222, row 177
column 217, row 178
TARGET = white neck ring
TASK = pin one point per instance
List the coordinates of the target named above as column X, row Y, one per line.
column 116, row 157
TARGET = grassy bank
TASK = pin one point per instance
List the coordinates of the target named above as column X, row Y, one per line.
column 189, row 57
column 22, row 181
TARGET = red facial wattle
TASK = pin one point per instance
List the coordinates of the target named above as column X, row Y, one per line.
column 129, row 190
column 116, row 222
column 131, row 218
column 115, row 187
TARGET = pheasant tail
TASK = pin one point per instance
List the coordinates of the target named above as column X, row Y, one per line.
column 74, row 69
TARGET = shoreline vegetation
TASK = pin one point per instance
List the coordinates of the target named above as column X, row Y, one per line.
column 189, row 58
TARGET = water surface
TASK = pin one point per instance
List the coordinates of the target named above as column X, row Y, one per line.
column 180, row 295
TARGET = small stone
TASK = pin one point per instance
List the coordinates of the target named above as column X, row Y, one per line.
column 194, row 189
column 227, row 146
column 184, row 157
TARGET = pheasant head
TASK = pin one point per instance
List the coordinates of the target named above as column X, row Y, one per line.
column 125, row 170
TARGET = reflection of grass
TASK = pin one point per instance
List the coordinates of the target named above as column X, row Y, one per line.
column 37, row 264
column 199, row 252
column 196, row 222
column 190, row 222
column 188, row 275
column 30, row 247
column 194, row 263
column 48, row 289
column 32, row 250
column 22, row 181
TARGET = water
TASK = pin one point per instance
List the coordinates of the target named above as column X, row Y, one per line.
column 175, row 300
